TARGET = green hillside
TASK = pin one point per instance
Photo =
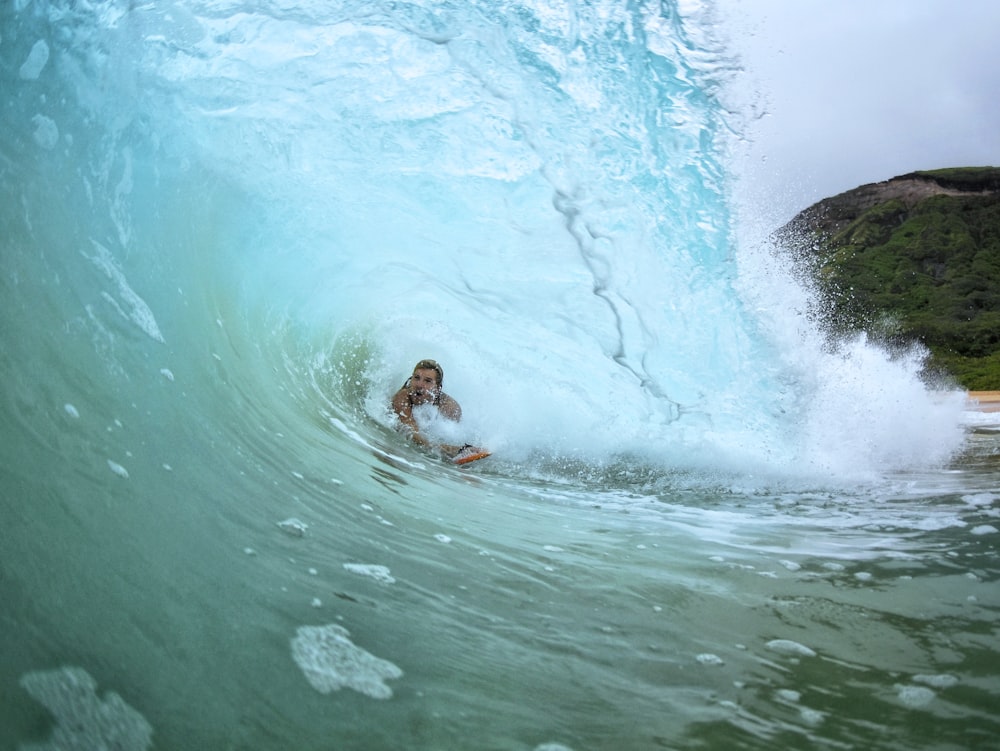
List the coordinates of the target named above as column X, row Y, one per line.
column 916, row 258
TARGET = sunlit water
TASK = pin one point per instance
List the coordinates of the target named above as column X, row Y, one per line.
column 228, row 231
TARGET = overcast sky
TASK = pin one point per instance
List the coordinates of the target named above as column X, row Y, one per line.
column 858, row 91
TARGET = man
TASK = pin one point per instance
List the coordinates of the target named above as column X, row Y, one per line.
column 424, row 387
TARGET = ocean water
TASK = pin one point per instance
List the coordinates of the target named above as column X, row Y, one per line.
column 228, row 229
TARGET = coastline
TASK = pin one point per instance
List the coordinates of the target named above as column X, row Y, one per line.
column 983, row 401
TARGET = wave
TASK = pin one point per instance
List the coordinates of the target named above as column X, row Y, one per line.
column 539, row 204
column 228, row 230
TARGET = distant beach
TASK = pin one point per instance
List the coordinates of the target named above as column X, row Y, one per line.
column 984, row 401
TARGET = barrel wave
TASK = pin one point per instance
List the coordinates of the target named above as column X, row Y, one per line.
column 229, row 229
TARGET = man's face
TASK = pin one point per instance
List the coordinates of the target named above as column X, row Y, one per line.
column 423, row 386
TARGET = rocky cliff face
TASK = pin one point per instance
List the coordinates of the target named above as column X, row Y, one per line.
column 914, row 258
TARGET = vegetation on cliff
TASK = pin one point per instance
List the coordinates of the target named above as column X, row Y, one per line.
column 915, row 258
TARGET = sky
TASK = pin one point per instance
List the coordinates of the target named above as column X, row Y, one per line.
column 849, row 92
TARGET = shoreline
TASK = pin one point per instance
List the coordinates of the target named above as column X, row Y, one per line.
column 982, row 401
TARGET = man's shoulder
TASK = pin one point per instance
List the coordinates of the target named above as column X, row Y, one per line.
column 449, row 406
column 400, row 398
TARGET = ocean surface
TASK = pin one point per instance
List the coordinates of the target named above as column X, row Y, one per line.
column 229, row 228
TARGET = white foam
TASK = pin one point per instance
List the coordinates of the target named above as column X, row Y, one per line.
column 983, row 529
column 118, row 469
column 35, row 63
column 71, row 410
column 330, row 661
column 354, row 435
column 378, row 573
column 138, row 311
column 83, row 720
column 943, row 680
column 980, row 499
column 46, row 132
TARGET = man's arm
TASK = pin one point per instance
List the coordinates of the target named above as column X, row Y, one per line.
column 404, row 412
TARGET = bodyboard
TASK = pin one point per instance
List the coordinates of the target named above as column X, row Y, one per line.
column 469, row 454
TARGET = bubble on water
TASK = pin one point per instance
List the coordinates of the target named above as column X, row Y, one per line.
column 789, row 647
column 811, row 717
column 378, row 573
column 294, row 527
column 914, row 696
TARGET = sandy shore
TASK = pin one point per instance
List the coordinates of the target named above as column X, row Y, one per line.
column 984, row 401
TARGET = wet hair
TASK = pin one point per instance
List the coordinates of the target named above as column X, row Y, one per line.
column 431, row 365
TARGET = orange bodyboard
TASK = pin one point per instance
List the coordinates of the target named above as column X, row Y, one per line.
column 470, row 454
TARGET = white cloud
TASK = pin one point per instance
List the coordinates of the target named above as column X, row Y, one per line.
column 862, row 90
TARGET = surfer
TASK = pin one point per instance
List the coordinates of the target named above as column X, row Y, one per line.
column 424, row 387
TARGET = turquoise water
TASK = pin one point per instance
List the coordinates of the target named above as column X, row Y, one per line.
column 229, row 230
